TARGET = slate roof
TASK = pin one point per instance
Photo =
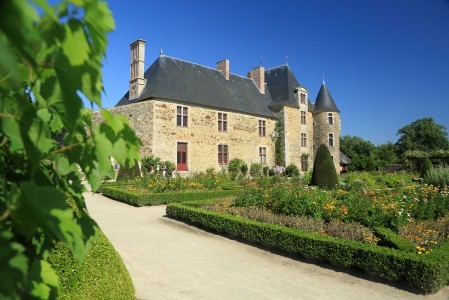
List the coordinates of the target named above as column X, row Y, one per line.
column 344, row 159
column 175, row 79
column 324, row 101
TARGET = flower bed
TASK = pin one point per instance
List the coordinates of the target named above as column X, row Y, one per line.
column 429, row 272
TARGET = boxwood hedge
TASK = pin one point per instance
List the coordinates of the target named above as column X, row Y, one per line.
column 136, row 198
column 428, row 273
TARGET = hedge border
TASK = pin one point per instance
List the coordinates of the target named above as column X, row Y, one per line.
column 138, row 199
column 428, row 273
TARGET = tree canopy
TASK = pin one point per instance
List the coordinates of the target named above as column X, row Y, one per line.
column 424, row 135
column 50, row 56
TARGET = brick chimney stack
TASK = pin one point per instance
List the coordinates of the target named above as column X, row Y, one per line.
column 137, row 69
column 258, row 75
column 223, row 66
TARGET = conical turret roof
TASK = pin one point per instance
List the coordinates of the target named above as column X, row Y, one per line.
column 324, row 101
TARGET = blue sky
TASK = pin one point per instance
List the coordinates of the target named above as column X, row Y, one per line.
column 386, row 63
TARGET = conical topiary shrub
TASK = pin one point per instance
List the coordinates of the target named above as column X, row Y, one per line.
column 426, row 166
column 324, row 174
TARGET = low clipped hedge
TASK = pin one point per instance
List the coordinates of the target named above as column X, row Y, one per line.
column 428, row 273
column 101, row 275
column 138, row 199
column 392, row 240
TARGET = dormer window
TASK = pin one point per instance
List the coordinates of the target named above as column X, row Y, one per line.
column 303, row 98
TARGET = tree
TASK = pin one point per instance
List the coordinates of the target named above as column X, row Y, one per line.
column 358, row 150
column 386, row 154
column 324, row 174
column 422, row 134
column 49, row 57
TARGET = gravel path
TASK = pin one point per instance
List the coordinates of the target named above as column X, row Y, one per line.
column 168, row 259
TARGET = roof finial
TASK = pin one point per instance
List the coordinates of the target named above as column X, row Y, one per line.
column 323, row 80
column 286, row 60
column 161, row 52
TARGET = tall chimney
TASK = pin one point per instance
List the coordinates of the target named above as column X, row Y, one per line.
column 137, row 80
column 223, row 66
column 258, row 75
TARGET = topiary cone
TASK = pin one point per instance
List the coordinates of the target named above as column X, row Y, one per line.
column 324, row 174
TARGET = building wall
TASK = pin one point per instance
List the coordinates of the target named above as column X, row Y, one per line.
column 155, row 124
column 321, row 130
column 140, row 116
column 292, row 134
column 202, row 136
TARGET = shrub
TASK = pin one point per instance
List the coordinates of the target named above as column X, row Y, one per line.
column 234, row 167
column 292, row 170
column 389, row 238
column 169, row 167
column 438, row 176
column 101, row 275
column 126, row 173
column 150, row 162
column 324, row 174
column 429, row 272
column 136, row 198
column 244, row 168
column 426, row 166
column 255, row 170
column 266, row 170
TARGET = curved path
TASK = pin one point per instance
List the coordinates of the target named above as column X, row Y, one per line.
column 168, row 259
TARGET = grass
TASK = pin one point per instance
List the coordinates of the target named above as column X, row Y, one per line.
column 101, row 275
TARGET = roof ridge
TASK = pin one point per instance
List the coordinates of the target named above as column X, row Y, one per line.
column 284, row 65
column 213, row 69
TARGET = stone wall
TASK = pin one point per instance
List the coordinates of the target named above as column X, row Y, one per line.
column 202, row 136
column 140, row 116
column 321, row 130
column 155, row 124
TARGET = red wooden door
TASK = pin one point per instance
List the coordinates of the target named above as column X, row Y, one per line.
column 182, row 157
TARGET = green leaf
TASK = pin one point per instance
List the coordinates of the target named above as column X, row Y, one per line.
column 75, row 45
column 47, row 207
column 14, row 265
column 44, row 281
column 63, row 167
column 11, row 127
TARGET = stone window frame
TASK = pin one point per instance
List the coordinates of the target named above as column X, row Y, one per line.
column 263, row 155
column 330, row 140
column 303, row 139
column 262, row 127
column 330, row 118
column 222, row 122
column 303, row 117
column 223, row 154
column 302, row 97
column 182, row 116
column 304, row 163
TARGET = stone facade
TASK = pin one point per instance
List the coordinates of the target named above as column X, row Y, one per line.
column 156, row 125
column 201, row 118
column 322, row 130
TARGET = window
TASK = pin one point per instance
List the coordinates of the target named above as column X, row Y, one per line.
column 330, row 118
column 303, row 98
column 303, row 117
column 181, row 157
column 263, row 155
column 331, row 140
column 303, row 139
column 181, row 116
column 262, row 127
column 304, row 163
column 222, row 122
column 223, row 154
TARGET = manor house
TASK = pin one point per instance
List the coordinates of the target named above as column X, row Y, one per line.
column 200, row 117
